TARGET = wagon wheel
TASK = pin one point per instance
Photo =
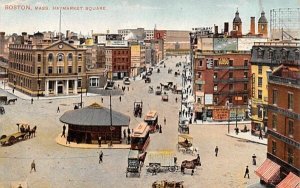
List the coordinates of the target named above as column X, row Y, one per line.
column 172, row 168
column 12, row 140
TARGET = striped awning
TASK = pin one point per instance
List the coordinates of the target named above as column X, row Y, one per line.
column 290, row 181
column 269, row 171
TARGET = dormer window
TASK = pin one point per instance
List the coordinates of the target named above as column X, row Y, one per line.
column 260, row 53
column 297, row 55
column 284, row 53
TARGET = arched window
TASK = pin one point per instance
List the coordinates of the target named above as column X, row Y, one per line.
column 50, row 57
column 70, row 57
column 60, row 57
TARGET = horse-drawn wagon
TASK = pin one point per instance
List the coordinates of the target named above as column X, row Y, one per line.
column 137, row 109
column 133, row 163
column 165, row 97
column 167, row 184
column 185, row 144
column 160, row 161
column 24, row 133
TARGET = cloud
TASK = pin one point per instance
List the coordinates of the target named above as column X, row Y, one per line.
column 135, row 6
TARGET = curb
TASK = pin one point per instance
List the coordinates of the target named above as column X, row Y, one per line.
column 247, row 140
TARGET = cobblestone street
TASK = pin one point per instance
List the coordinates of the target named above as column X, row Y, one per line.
column 63, row 167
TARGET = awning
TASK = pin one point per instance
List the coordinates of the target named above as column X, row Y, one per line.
column 269, row 171
column 290, row 181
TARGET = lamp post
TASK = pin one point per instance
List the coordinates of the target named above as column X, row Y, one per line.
column 111, row 125
column 38, row 94
column 228, row 107
column 21, row 85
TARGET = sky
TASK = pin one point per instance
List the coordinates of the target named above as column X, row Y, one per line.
column 130, row 14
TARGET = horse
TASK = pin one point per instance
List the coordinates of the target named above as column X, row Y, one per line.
column 32, row 132
column 12, row 101
column 187, row 165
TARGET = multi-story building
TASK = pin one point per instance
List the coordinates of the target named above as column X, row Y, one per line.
column 221, row 71
column 265, row 58
column 283, row 153
column 137, row 59
column 140, row 33
column 39, row 67
column 118, row 62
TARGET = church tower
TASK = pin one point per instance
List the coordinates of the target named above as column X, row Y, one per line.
column 263, row 25
column 237, row 23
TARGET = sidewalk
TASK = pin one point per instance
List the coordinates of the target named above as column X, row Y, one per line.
column 248, row 137
column 62, row 141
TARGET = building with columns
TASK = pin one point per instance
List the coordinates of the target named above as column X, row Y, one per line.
column 51, row 69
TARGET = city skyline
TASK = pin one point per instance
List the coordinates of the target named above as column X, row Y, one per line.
column 127, row 14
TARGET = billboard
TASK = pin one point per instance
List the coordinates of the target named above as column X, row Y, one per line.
column 113, row 37
column 220, row 114
column 245, row 44
column 229, row 44
column 117, row 43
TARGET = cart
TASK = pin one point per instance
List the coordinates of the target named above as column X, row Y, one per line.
column 185, row 144
column 133, row 163
column 11, row 139
column 158, row 90
column 167, row 184
column 161, row 161
column 165, row 97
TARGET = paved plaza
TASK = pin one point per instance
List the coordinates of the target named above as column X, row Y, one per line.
column 58, row 166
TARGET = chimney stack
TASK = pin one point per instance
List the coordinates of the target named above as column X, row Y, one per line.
column 226, row 27
column 252, row 25
column 67, row 34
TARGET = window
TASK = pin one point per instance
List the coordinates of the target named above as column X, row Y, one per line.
column 79, row 69
column 259, row 69
column 230, row 87
column 69, row 69
column 259, row 82
column 274, row 121
column 230, row 63
column 94, row 82
column 79, row 57
column 245, row 99
column 290, row 101
column 199, row 74
column 70, row 57
column 290, row 156
column 230, row 75
column 260, row 53
column 275, row 96
column 39, row 70
column 215, row 75
column 60, row 57
column 259, row 94
column 291, row 127
column 50, row 58
column 200, row 63
column 245, row 74
column 246, row 62
column 230, row 99
column 79, row 83
column 215, row 87
column 60, row 69
column 49, row 70
column 245, row 86
column 271, row 54
column 216, row 63
column 274, row 147
column 39, row 58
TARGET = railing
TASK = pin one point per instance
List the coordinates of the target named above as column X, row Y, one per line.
column 61, row 74
column 232, row 67
column 284, row 112
column 284, row 138
column 281, row 80
column 231, row 80
column 291, row 44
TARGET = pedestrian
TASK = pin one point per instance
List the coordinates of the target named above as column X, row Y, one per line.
column 32, row 166
column 216, row 151
column 58, row 110
column 128, row 139
column 128, row 131
column 160, row 131
column 253, row 159
column 101, row 99
column 127, row 88
column 165, row 120
column 186, row 113
column 14, row 90
column 31, row 100
column 120, row 98
column 99, row 141
column 176, row 99
column 118, row 86
column 247, row 172
column 68, row 139
column 124, row 133
column 100, row 157
column 64, row 131
column 175, row 160
column 183, row 112
column 260, row 134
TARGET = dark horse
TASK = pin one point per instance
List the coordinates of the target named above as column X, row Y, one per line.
column 32, row 132
column 190, row 165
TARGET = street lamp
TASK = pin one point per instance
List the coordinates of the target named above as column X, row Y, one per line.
column 21, row 85
column 39, row 84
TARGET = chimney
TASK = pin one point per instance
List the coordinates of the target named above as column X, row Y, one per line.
column 216, row 30
column 67, row 34
column 226, row 26
column 252, row 25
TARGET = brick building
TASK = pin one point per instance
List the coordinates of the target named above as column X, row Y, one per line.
column 283, row 154
column 118, row 61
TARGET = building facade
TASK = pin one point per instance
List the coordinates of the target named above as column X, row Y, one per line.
column 137, row 59
column 118, row 62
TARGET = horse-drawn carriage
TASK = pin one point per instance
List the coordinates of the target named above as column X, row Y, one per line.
column 160, row 161
column 190, row 164
column 137, row 109
column 183, row 125
column 6, row 101
column 185, row 144
column 167, row 184
column 24, row 133
column 158, row 90
column 165, row 97
column 147, row 79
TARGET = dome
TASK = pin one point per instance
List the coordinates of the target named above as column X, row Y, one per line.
column 38, row 34
column 262, row 18
column 237, row 18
